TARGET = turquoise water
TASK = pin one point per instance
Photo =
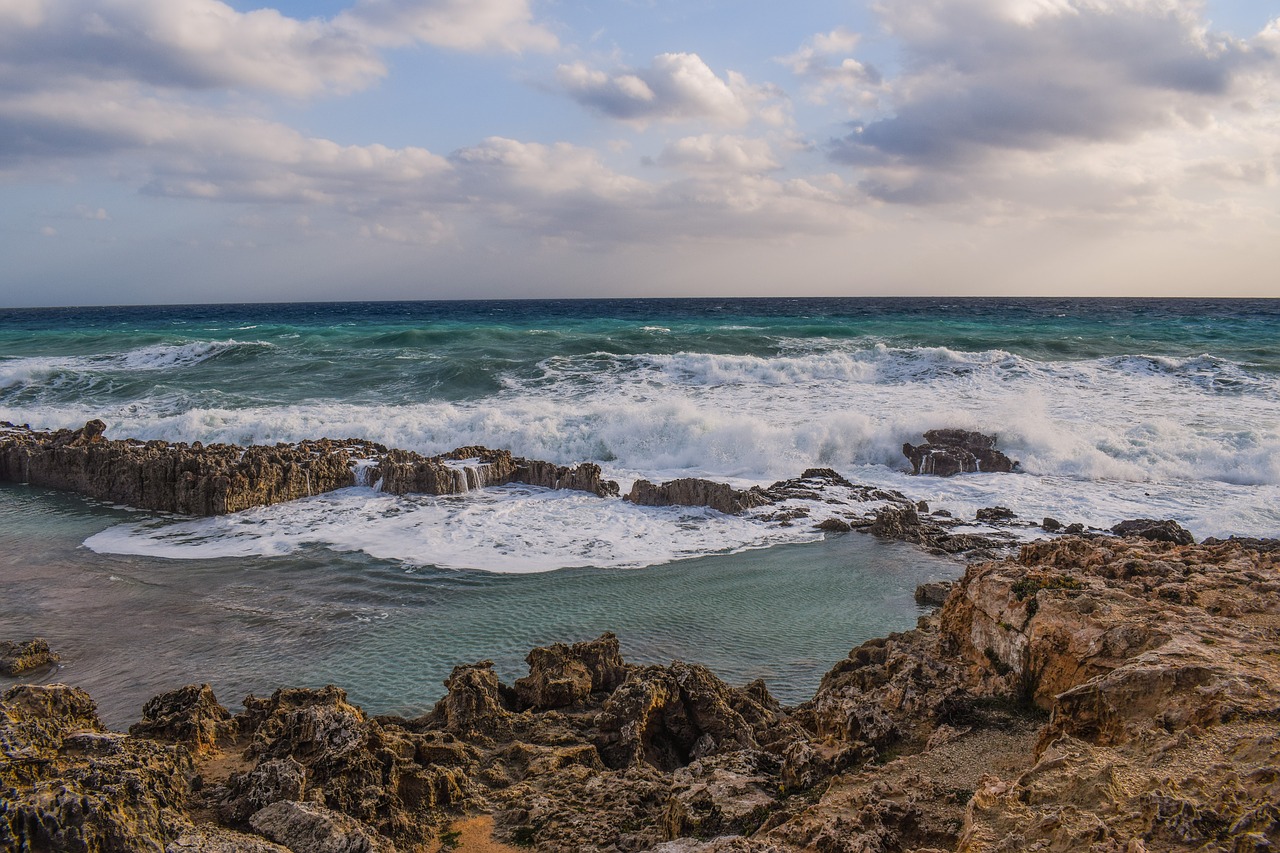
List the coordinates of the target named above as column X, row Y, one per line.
column 131, row 627
column 1115, row 408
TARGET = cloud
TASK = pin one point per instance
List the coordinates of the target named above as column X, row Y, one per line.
column 207, row 45
column 675, row 87
column 709, row 153
column 470, row 25
column 1092, row 85
column 826, row 62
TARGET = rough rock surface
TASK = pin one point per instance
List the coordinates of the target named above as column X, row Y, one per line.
column 20, row 658
column 215, row 479
column 1155, row 530
column 189, row 715
column 691, row 491
column 947, row 452
column 1094, row 693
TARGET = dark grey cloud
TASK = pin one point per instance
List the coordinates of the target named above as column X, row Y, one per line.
column 985, row 76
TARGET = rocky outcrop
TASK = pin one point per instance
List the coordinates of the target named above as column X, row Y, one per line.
column 215, row 479
column 583, row 477
column 1156, row 531
column 902, row 522
column 68, row 785
column 562, row 676
column 1092, row 693
column 947, row 452
column 20, row 658
column 691, row 491
column 189, row 715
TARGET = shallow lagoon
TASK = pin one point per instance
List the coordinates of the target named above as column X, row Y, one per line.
column 129, row 627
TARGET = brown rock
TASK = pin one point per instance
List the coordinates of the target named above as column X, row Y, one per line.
column 691, row 491
column 20, row 658
column 1156, row 531
column 316, row 829
column 561, row 676
column 189, row 715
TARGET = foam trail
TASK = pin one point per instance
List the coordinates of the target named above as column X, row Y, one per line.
column 506, row 529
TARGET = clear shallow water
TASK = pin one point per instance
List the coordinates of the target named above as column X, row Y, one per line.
column 130, row 627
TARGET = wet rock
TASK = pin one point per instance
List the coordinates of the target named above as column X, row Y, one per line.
column 584, row 477
column 20, row 658
column 189, row 715
column 834, row 525
column 316, row 829
column 215, row 479
column 995, row 514
column 947, row 452
column 1156, row 531
column 691, row 491
column 1050, row 525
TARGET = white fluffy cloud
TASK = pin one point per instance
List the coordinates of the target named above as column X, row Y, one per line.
column 1003, row 98
column 206, row 44
column 473, row 25
column 826, row 62
column 710, row 153
column 675, row 87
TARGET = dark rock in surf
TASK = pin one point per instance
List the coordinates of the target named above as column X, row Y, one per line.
column 947, row 452
column 1155, row 530
column 216, row 479
column 691, row 491
column 996, row 513
column 583, row 477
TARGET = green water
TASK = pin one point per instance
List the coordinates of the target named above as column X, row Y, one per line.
column 131, row 627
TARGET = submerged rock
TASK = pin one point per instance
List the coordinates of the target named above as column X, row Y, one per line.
column 947, row 452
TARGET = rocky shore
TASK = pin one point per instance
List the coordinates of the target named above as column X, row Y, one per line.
column 1093, row 693
column 216, row 479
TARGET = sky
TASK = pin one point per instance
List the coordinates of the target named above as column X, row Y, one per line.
column 189, row 151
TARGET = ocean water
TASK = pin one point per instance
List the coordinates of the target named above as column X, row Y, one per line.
column 1115, row 408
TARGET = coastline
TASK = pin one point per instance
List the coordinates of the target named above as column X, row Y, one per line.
column 1158, row 666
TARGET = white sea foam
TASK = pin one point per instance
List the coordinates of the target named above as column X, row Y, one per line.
column 85, row 371
column 1099, row 440
column 509, row 529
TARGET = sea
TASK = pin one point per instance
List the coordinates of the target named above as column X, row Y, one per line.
column 1114, row 409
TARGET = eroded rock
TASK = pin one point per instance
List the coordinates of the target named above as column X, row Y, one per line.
column 20, row 658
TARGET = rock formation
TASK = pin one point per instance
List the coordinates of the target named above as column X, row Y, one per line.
column 21, row 658
column 947, row 452
column 1093, row 693
column 691, row 491
column 215, row 479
